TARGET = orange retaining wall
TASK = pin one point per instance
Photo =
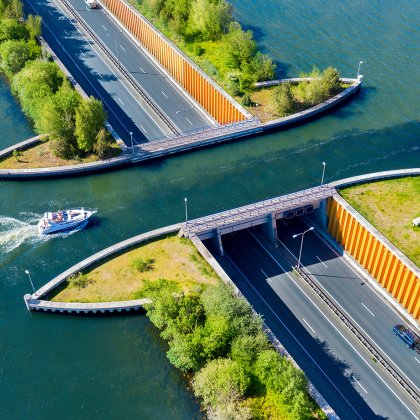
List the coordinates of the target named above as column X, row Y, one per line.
column 383, row 264
column 202, row 90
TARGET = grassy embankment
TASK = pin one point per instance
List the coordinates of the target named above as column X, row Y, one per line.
column 391, row 206
column 41, row 156
column 118, row 279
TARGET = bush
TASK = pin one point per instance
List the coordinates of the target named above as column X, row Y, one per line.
column 143, row 265
column 246, row 100
column 282, row 102
column 80, row 281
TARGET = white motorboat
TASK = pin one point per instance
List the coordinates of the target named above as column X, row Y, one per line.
column 60, row 221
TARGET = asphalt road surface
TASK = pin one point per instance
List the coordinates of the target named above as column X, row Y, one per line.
column 341, row 369
column 127, row 111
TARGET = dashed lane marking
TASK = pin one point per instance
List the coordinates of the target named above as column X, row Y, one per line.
column 368, row 309
column 306, row 322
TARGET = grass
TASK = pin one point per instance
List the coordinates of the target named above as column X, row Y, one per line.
column 391, row 206
column 119, row 278
column 40, row 156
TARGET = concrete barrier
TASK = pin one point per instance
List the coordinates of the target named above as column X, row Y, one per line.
column 25, row 144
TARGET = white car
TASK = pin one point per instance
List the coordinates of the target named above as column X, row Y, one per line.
column 416, row 221
column 91, row 4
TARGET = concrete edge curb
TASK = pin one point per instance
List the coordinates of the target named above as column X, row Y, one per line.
column 25, row 144
column 315, row 394
column 93, row 259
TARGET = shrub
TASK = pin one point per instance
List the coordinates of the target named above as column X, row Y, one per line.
column 143, row 265
column 282, row 102
column 80, row 281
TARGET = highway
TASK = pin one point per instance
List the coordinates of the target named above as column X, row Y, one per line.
column 341, row 369
column 127, row 111
column 355, row 296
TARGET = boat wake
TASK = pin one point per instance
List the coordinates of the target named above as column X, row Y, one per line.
column 14, row 232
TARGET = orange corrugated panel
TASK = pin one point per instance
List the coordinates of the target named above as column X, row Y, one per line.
column 374, row 254
column 380, row 255
column 345, row 229
column 361, row 240
column 392, row 275
column 404, row 284
column 354, row 237
column 399, row 279
column 380, row 276
column 413, row 306
column 411, row 286
column 331, row 215
column 388, row 269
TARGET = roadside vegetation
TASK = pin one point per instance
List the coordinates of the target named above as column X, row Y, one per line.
column 75, row 126
column 214, row 337
column 391, row 207
column 206, row 31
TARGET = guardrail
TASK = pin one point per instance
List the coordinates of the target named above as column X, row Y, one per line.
column 359, row 335
column 166, row 120
column 227, row 217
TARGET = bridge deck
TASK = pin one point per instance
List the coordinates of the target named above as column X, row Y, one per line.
column 282, row 203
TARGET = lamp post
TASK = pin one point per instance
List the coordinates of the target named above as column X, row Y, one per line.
column 323, row 172
column 301, row 244
column 185, row 110
column 358, row 70
column 30, row 280
column 132, row 144
column 186, row 209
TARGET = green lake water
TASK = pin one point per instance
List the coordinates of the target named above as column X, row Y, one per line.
column 72, row 367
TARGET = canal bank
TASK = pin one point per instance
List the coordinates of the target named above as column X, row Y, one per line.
column 120, row 362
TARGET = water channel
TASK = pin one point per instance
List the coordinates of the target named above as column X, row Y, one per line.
column 115, row 367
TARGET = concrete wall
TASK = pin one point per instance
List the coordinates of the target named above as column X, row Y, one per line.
column 210, row 96
column 385, row 263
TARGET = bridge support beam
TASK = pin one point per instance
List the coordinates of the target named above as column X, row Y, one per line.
column 321, row 214
column 217, row 242
column 270, row 229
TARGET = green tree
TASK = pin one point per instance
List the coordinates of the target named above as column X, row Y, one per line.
column 58, row 119
column 103, row 143
column 14, row 9
column 14, row 55
column 239, row 45
column 10, row 29
column 262, row 67
column 220, row 382
column 90, row 118
column 330, row 80
column 210, row 18
column 282, row 101
column 246, row 348
column 33, row 25
column 216, row 337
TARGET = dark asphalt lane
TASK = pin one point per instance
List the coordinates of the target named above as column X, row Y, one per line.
column 330, row 356
column 126, row 113
column 352, row 292
column 175, row 105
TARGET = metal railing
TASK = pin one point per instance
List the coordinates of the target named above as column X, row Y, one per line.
column 250, row 211
column 166, row 120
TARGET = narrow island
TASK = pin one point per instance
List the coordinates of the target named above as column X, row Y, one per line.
column 214, row 337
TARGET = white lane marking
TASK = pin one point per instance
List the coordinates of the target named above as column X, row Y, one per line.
column 163, row 93
column 368, row 309
column 322, row 262
column 418, row 361
column 122, row 48
column 358, row 383
column 74, row 62
column 107, row 65
column 121, row 101
column 330, row 322
column 306, row 322
column 293, row 336
column 189, row 121
column 104, row 27
column 340, row 257
column 143, row 128
column 142, row 69
column 65, row 32
column 81, row 52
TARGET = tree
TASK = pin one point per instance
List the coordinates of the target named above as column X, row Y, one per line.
column 246, row 348
column 216, row 337
column 58, row 119
column 33, row 25
column 220, row 382
column 240, row 46
column 14, row 54
column 103, row 142
column 90, row 118
column 11, row 29
column 282, row 101
column 210, row 18
column 263, row 67
column 14, row 10
column 330, row 80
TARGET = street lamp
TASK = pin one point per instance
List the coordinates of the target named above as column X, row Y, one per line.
column 186, row 209
column 358, row 70
column 185, row 110
column 30, row 280
column 323, row 172
column 301, row 244
column 132, row 144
